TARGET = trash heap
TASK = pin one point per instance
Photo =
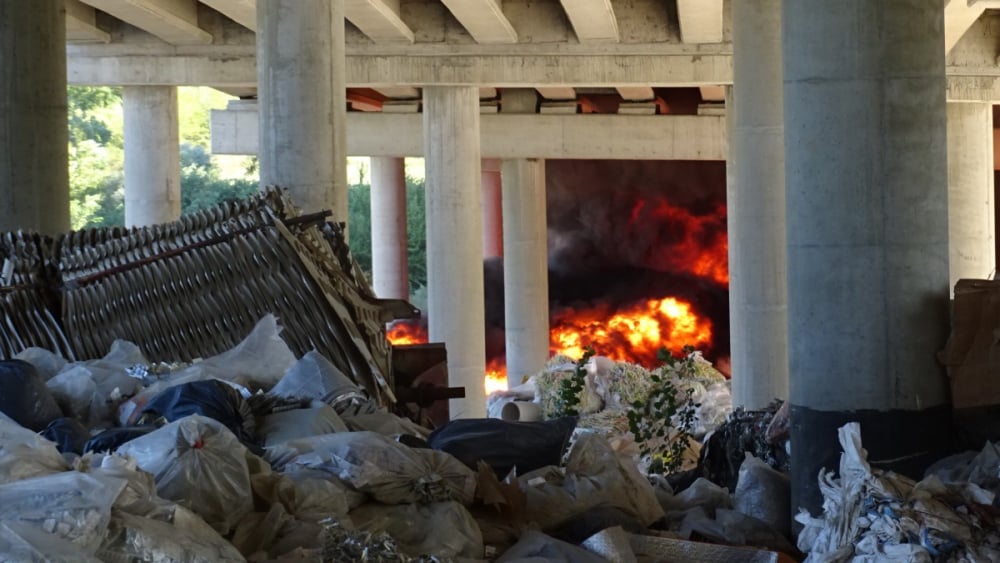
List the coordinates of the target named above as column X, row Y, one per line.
column 873, row 515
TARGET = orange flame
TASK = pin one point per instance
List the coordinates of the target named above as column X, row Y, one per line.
column 496, row 376
column 634, row 334
column 402, row 333
column 698, row 242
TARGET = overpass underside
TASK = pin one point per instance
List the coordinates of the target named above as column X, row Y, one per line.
column 858, row 138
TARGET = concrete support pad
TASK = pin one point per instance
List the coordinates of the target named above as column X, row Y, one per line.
column 971, row 219
column 525, row 268
column 455, row 302
column 390, row 264
column 302, row 101
column 755, row 201
column 152, row 155
column 867, row 225
column 34, row 184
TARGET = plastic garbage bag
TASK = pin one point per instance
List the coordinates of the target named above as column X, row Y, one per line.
column 315, row 377
column 47, row 363
column 24, row 397
column 504, row 445
column 134, row 538
column 981, row 468
column 24, row 454
column 29, row 544
column 257, row 532
column 308, row 496
column 764, row 493
column 198, row 463
column 535, row 547
column 113, row 438
column 384, row 423
column 212, row 399
column 68, row 435
column 594, row 476
column 76, row 393
column 702, row 493
column 442, row 529
column 257, row 362
column 139, row 496
column 391, row 472
column 71, row 506
column 280, row 427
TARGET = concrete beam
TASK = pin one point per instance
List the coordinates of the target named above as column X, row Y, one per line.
column 701, row 20
column 81, row 24
column 243, row 12
column 662, row 137
column 636, row 93
column 399, row 92
column 593, row 20
column 959, row 15
column 379, row 20
column 557, row 93
column 174, row 21
column 483, row 19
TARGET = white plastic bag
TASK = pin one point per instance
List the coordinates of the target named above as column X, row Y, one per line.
column 391, row 472
column 134, row 538
column 442, row 529
column 315, row 377
column 24, row 454
column 71, row 506
column 198, row 463
column 47, row 363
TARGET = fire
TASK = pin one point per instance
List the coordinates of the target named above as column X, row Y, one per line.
column 685, row 241
column 402, row 333
column 633, row 334
column 496, row 376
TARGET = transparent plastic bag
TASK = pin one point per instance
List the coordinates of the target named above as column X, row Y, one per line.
column 280, row 427
column 442, row 529
column 198, row 463
column 134, row 538
column 71, row 506
column 391, row 472
column 24, row 454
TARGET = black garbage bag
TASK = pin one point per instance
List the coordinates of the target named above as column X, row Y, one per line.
column 504, row 445
column 69, row 435
column 112, row 438
column 24, row 396
column 209, row 398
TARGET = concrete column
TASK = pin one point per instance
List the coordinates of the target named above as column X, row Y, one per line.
column 867, row 221
column 492, row 209
column 971, row 232
column 152, row 155
column 455, row 306
column 758, row 292
column 300, row 65
column 525, row 268
column 390, row 267
column 34, row 180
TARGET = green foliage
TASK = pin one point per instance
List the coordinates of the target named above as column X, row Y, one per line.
column 661, row 424
column 201, row 186
column 571, row 388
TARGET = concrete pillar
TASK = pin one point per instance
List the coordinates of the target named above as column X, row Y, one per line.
column 152, row 155
column 867, row 225
column 492, row 209
column 301, row 93
column 525, row 268
column 971, row 232
column 455, row 306
column 758, row 291
column 34, row 179
column 390, row 267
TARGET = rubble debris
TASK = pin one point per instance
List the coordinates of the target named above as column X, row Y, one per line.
column 873, row 515
column 743, row 431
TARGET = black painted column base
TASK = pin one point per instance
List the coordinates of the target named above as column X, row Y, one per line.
column 903, row 441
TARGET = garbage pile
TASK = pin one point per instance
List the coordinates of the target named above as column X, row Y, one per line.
column 872, row 515
column 258, row 454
